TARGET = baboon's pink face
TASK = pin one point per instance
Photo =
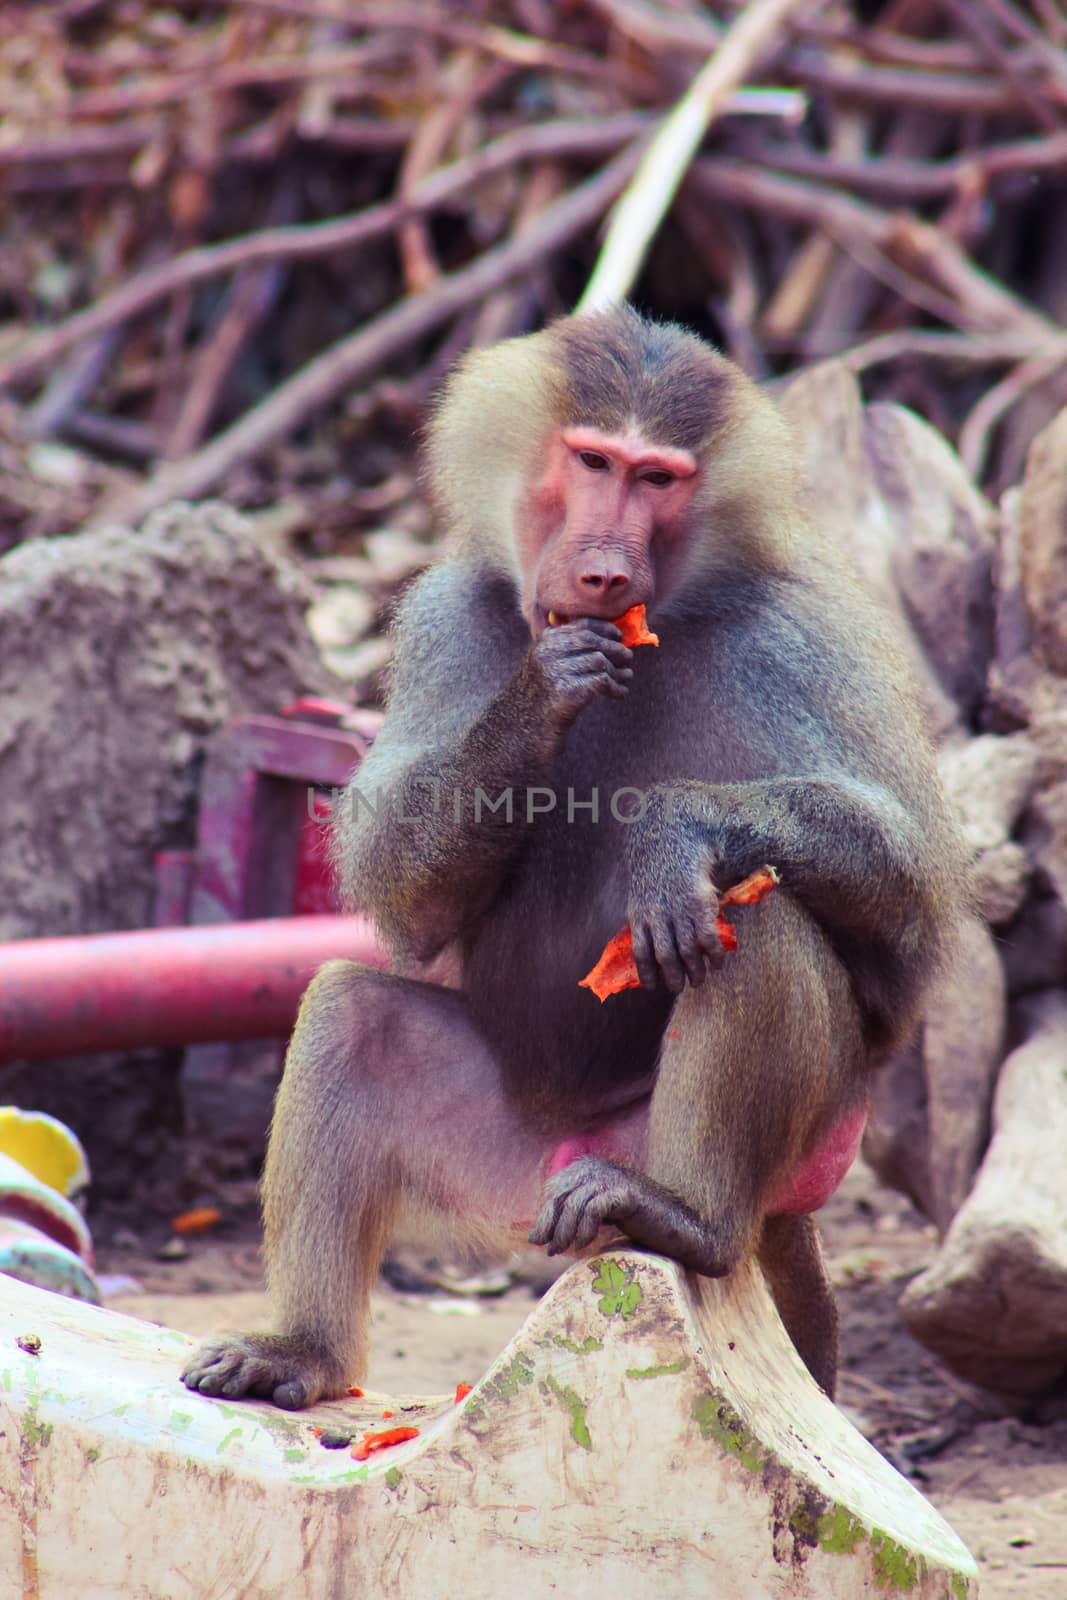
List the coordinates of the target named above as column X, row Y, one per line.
column 596, row 529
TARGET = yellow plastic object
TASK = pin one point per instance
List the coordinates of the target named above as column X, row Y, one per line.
column 45, row 1147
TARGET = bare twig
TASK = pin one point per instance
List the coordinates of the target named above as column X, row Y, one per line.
column 648, row 197
column 1003, row 61
column 800, row 289
column 68, row 387
column 966, row 348
column 977, row 429
column 1042, row 49
column 797, row 240
column 168, row 88
column 521, row 49
column 896, row 49
column 502, row 311
column 901, row 179
column 854, row 294
column 1054, row 19
column 253, row 291
column 657, row 30
column 897, row 86
column 797, row 293
column 354, row 133
column 430, row 140
column 912, row 290
column 115, row 436
column 981, row 303
column 985, row 303
column 726, row 247
column 122, row 141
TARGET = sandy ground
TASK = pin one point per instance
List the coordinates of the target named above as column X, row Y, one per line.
column 1000, row 1479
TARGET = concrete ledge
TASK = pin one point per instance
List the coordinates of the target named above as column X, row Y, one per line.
column 644, row 1435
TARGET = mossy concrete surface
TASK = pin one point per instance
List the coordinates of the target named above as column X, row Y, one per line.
column 643, row 1433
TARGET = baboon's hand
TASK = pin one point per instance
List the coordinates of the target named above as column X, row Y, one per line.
column 673, row 925
column 584, row 1197
column 592, row 1193
column 578, row 661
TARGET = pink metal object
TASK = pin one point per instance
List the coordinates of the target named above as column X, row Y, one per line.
column 259, row 853
column 168, row 986
column 175, row 871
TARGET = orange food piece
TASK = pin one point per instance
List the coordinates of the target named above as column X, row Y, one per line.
column 317, row 1432
column 616, row 969
column 751, row 890
column 388, row 1413
column 634, row 628
column 382, row 1440
column 462, row 1391
column 356, row 1392
column 198, row 1220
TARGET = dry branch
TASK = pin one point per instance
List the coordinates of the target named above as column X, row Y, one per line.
column 978, row 302
column 648, row 197
column 157, row 135
column 897, row 178
column 314, row 240
column 946, row 92
column 508, row 44
column 354, row 358
column 1036, row 369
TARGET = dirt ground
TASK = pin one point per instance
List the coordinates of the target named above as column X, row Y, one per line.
column 1000, row 1479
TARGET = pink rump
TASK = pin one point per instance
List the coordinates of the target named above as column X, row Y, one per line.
column 810, row 1186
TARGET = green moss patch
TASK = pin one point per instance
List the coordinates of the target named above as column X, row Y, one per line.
column 619, row 1295
column 570, row 1401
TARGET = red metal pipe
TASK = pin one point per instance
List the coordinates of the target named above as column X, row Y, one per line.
column 168, row 986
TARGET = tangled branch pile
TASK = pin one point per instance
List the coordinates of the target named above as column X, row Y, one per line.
column 243, row 239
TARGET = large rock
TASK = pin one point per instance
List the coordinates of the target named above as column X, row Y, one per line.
column 1027, row 684
column 1013, row 670
column 1043, row 542
column 988, row 782
column 1046, row 837
column 120, row 652
column 895, row 496
column 896, row 1141
column 930, row 1105
column 963, row 1045
column 942, row 553
column 1034, row 946
column 1034, row 942
column 993, row 1304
